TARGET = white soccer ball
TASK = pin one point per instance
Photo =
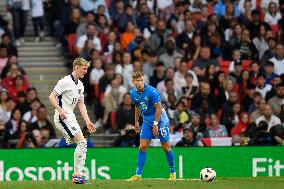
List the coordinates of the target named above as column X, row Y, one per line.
column 208, row 175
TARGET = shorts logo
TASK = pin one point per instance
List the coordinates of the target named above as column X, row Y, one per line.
column 73, row 128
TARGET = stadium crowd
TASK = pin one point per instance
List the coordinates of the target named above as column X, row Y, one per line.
column 218, row 65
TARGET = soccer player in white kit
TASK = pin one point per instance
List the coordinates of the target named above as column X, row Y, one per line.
column 68, row 92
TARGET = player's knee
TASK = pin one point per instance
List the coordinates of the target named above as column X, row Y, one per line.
column 167, row 148
column 143, row 148
column 82, row 146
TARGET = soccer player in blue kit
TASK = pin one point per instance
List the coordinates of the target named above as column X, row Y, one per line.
column 155, row 123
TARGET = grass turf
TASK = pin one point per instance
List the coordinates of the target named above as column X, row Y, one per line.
column 221, row 183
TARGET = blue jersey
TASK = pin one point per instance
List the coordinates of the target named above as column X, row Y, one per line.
column 145, row 102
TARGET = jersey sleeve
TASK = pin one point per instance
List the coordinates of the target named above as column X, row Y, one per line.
column 154, row 96
column 60, row 87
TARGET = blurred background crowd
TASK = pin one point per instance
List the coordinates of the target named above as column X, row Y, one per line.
column 218, row 65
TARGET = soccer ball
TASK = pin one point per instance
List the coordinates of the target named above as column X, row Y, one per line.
column 208, row 175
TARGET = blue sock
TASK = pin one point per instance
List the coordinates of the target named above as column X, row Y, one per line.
column 140, row 162
column 171, row 161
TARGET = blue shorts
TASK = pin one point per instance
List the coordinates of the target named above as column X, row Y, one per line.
column 163, row 130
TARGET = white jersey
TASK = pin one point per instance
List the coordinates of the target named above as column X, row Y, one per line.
column 69, row 92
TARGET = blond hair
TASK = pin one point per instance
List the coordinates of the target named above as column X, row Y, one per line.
column 136, row 75
column 80, row 62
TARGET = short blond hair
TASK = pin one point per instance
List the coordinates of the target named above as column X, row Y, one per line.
column 80, row 62
column 136, row 75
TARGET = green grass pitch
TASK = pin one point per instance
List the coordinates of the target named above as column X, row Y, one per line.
column 221, row 183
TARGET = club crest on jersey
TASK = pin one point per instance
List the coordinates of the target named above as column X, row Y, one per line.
column 79, row 91
column 146, row 98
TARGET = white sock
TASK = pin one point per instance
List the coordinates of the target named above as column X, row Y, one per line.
column 80, row 157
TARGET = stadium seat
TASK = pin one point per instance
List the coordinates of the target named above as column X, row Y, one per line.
column 224, row 66
column 96, row 91
column 274, row 29
column 113, row 120
column 189, row 64
column 246, row 64
column 71, row 40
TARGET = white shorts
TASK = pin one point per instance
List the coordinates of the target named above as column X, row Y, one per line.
column 69, row 127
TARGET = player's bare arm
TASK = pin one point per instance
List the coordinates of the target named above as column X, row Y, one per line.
column 137, row 115
column 53, row 101
column 157, row 118
column 82, row 107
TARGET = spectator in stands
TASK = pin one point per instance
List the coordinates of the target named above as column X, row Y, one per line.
column 248, row 98
column 2, row 133
column 13, row 59
column 189, row 90
column 149, row 60
column 241, row 126
column 170, row 73
column 276, row 101
column 185, row 39
column 273, row 15
column 31, row 116
column 227, row 106
column 113, row 96
column 73, row 23
column 224, row 94
column 158, row 74
column 203, row 94
column 89, row 5
column 18, row 84
column 87, row 49
column 158, row 39
column 248, row 50
column 233, row 117
column 37, row 13
column 179, row 77
column 22, row 103
column 269, row 117
column 128, row 35
column 243, row 83
column 19, row 10
column 272, row 92
column 260, row 41
column 270, row 52
column 82, row 27
column 11, row 48
column 175, row 134
column 91, row 34
column 236, row 36
column 170, row 53
column 97, row 72
column 12, row 127
column 189, row 139
column 151, row 27
column 199, row 66
column 216, row 129
column 42, row 121
column 269, row 72
column 259, row 107
column 125, row 112
column 196, row 125
column 3, row 57
column 31, row 94
column 169, row 84
column 278, row 60
column 106, row 79
column 127, row 137
column 5, row 111
column 261, row 85
column 255, row 70
column 23, row 130
column 181, row 115
column 9, row 81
